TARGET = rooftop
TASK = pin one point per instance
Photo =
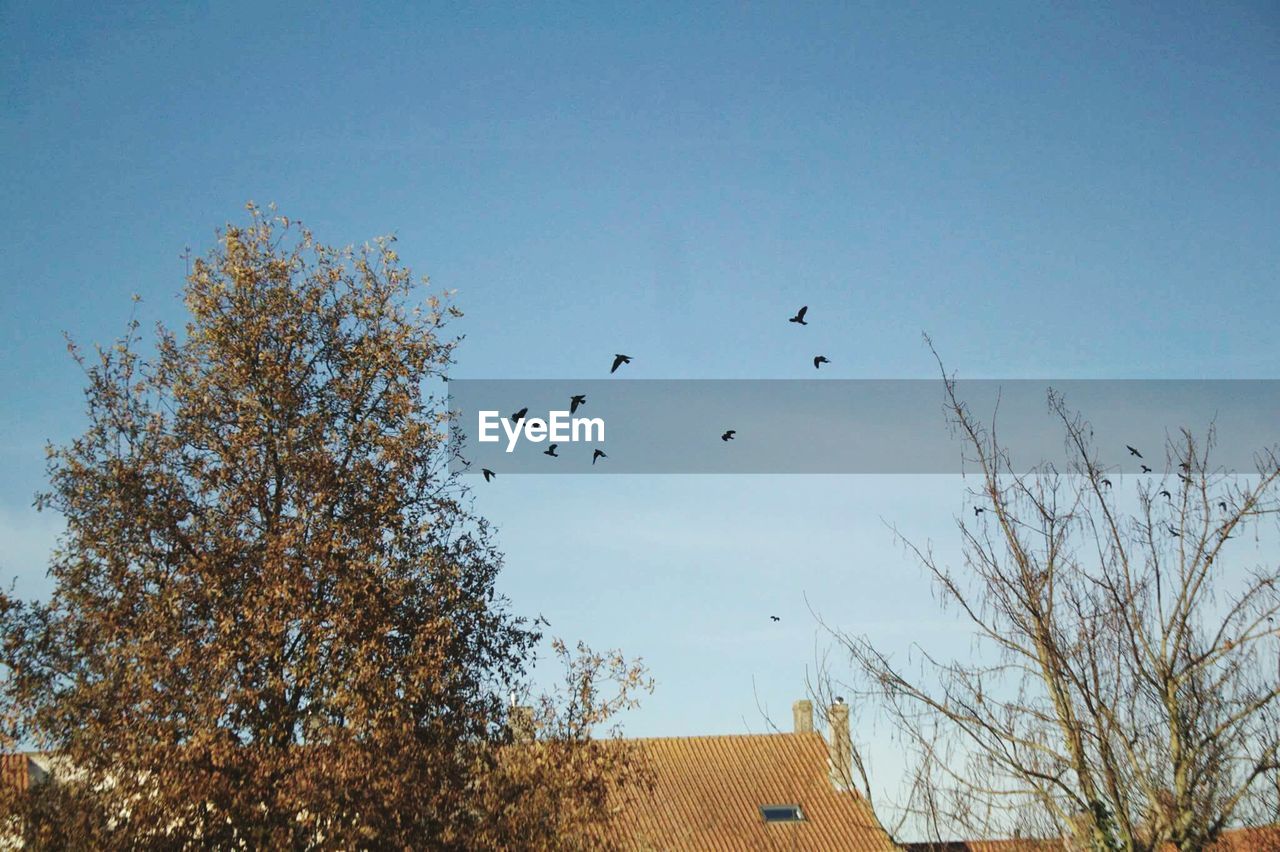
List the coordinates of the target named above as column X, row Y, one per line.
column 708, row 793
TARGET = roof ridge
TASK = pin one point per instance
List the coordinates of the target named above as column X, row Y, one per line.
column 772, row 734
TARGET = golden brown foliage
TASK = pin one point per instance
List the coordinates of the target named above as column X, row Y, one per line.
column 274, row 622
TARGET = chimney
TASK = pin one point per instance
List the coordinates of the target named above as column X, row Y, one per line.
column 802, row 713
column 840, row 745
column 520, row 721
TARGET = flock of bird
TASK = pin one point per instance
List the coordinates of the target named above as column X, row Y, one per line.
column 619, row 360
column 1184, row 475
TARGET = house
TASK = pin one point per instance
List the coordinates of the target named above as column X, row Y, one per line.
column 748, row 792
column 1256, row 839
column 21, row 770
column 738, row 793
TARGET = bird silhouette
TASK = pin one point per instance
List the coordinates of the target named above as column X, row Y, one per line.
column 1186, row 479
column 978, row 510
column 1106, row 482
column 488, row 474
column 519, row 415
column 799, row 317
column 1173, row 532
column 1132, row 451
column 1222, row 504
column 728, row 436
column 541, row 620
column 551, row 451
column 1185, row 467
column 819, row 361
column 575, row 401
column 618, row 361
column 774, row 618
column 1166, row 495
column 597, row 455
column 1145, row 469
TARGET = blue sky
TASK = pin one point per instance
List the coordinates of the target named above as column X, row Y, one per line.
column 1049, row 191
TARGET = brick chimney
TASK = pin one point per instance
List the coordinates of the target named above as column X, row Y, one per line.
column 840, row 745
column 802, row 714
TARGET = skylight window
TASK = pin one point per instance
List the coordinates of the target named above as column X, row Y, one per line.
column 781, row 813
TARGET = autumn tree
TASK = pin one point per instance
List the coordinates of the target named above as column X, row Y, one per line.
column 273, row 623
column 1122, row 689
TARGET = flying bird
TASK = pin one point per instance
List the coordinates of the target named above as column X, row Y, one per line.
column 1106, row 482
column 819, row 361
column 1166, row 495
column 799, row 317
column 1222, row 504
column 1145, row 469
column 598, row 454
column 575, row 401
column 1185, row 466
column 728, row 436
column 774, row 618
column 1173, row 532
column 519, row 415
column 618, row 361
column 488, row 474
column 551, row 451
column 1132, row 451
column 978, row 510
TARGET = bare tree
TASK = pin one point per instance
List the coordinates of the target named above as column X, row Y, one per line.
column 1123, row 692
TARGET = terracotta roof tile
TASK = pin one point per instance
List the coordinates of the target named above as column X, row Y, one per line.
column 1260, row 839
column 708, row 792
column 15, row 771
